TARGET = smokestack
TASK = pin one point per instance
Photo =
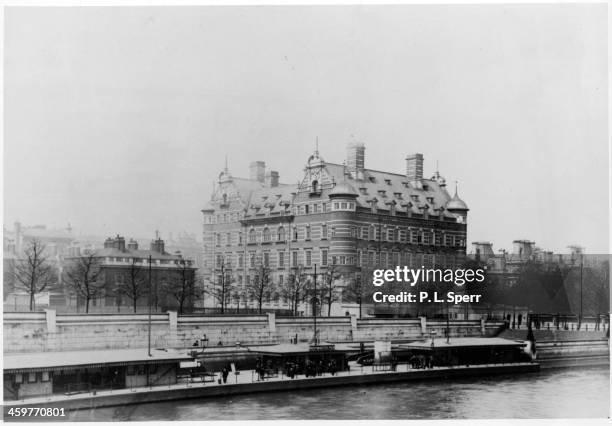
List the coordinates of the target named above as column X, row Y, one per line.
column 258, row 171
column 272, row 179
column 355, row 159
column 414, row 167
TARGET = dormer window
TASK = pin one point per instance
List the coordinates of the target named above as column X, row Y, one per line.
column 363, row 191
column 430, row 200
column 388, row 181
column 314, row 186
column 415, row 197
column 398, row 195
column 382, row 193
column 372, row 179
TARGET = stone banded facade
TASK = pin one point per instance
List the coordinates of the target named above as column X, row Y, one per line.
column 346, row 215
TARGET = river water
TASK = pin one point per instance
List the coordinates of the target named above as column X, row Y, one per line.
column 581, row 392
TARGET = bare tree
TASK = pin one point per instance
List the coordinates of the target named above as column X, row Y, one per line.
column 221, row 289
column 330, row 289
column 297, row 287
column 135, row 285
column 359, row 288
column 85, row 276
column 259, row 287
column 33, row 273
column 180, row 286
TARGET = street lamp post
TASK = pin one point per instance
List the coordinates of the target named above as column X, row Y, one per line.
column 315, row 304
column 149, row 345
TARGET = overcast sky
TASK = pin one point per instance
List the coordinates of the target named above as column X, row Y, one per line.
column 117, row 120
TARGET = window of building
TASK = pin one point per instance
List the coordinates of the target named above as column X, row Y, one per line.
column 228, row 238
column 324, row 231
column 448, row 240
column 308, row 258
column 294, row 258
column 437, row 239
column 252, row 236
column 281, row 259
column 324, row 257
column 266, row 259
column 281, row 279
column 31, row 377
column 306, row 209
column 280, row 234
column 240, row 260
column 307, row 232
column 295, row 233
column 217, row 239
column 336, row 206
column 266, row 235
column 219, row 260
column 390, row 235
column 252, row 260
column 240, row 237
column 414, row 236
column 426, row 237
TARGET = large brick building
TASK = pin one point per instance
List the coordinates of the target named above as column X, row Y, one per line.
column 339, row 214
column 125, row 277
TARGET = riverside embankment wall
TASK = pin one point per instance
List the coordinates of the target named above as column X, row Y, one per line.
column 47, row 331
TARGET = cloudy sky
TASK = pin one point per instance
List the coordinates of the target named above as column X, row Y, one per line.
column 117, row 120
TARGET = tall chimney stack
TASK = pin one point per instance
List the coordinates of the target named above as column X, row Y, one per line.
column 414, row 167
column 258, row 171
column 355, row 159
column 272, row 179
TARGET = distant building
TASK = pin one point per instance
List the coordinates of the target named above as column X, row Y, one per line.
column 348, row 216
column 121, row 261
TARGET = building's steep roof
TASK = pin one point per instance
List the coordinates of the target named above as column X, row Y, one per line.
column 385, row 188
column 271, row 200
column 343, row 189
column 388, row 187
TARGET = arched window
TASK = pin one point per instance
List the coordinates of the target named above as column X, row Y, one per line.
column 315, row 186
column 266, row 235
column 252, row 236
column 281, row 233
column 224, row 199
column 295, row 233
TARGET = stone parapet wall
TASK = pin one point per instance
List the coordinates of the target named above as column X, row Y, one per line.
column 46, row 331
